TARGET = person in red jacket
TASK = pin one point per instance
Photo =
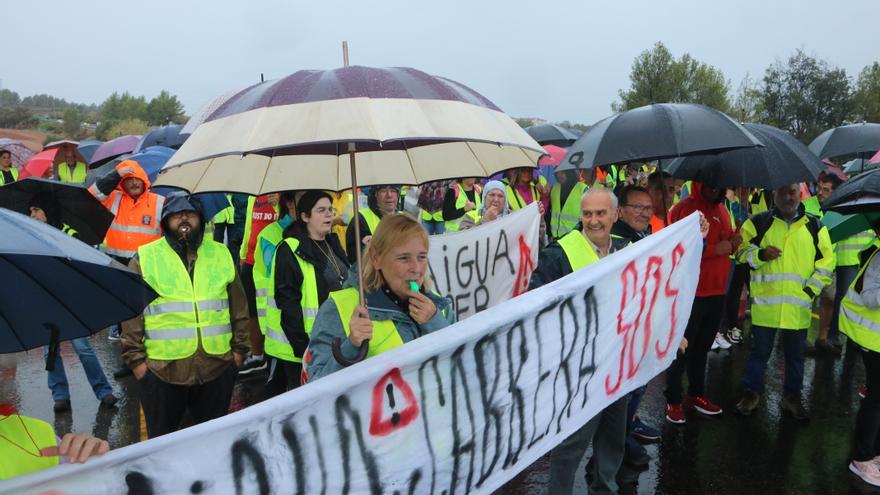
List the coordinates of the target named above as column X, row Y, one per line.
column 705, row 316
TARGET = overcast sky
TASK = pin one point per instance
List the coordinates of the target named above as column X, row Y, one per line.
column 552, row 59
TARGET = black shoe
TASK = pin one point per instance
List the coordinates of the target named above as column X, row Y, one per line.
column 62, row 405
column 122, row 372
column 109, row 401
column 791, row 406
column 635, row 455
column 748, row 403
column 810, row 349
column 252, row 365
column 826, row 346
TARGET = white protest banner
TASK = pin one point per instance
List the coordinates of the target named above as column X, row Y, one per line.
column 457, row 411
column 487, row 264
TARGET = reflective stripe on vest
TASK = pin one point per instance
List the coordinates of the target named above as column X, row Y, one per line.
column 848, row 249
column 461, row 200
column 857, row 321
column 78, row 176
column 30, row 433
column 385, row 334
column 578, row 250
column 276, row 344
column 272, row 233
column 135, row 223
column 564, row 218
column 188, row 309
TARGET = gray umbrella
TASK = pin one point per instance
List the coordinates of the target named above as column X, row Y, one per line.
column 663, row 130
column 782, row 160
column 854, row 139
column 553, row 134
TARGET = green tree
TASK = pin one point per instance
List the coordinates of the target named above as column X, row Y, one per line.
column 124, row 128
column 9, row 98
column 17, row 117
column 805, row 96
column 866, row 98
column 747, row 103
column 122, row 107
column 73, row 121
column 164, row 109
column 657, row 77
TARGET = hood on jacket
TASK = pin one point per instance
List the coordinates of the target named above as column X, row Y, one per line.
column 373, row 202
column 137, row 174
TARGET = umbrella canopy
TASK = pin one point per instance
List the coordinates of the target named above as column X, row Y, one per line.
column 554, row 156
column 405, row 127
column 20, row 152
column 203, row 113
column 853, row 139
column 843, row 226
column 151, row 159
column 857, row 195
column 88, row 147
column 875, row 158
column 832, row 169
column 55, row 284
column 39, row 165
column 78, row 207
column 663, row 130
column 168, row 136
column 858, row 165
column 113, row 148
column 553, row 134
column 61, row 144
column 782, row 160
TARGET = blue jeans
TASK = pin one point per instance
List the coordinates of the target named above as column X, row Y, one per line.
column 845, row 276
column 91, row 365
column 434, row 228
column 793, row 343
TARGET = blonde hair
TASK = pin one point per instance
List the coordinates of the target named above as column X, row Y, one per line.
column 392, row 231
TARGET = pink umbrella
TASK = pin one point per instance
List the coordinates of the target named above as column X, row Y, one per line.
column 875, row 158
column 556, row 154
column 20, row 152
column 832, row 169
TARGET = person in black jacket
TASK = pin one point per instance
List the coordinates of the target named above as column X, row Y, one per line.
column 318, row 246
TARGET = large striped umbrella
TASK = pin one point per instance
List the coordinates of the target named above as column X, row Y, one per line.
column 405, row 126
column 325, row 130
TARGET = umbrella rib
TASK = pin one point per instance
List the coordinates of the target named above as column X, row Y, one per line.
column 9, row 324
column 265, row 174
column 92, row 280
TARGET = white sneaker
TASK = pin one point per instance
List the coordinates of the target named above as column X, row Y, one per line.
column 735, row 335
column 721, row 342
column 867, row 471
column 715, row 345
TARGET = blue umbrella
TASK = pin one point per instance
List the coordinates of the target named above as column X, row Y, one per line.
column 56, row 288
column 151, row 159
column 168, row 136
column 87, row 148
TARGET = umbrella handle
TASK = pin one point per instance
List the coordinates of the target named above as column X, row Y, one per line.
column 344, row 361
column 52, row 354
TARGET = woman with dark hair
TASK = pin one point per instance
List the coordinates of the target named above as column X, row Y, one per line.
column 309, row 264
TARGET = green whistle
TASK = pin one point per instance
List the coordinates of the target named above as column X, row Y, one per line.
column 413, row 286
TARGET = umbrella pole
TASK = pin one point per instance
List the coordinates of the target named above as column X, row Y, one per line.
column 357, row 221
column 336, row 345
column 663, row 192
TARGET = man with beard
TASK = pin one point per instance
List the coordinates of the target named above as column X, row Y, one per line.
column 382, row 201
column 185, row 347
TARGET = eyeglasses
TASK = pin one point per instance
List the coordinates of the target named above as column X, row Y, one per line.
column 640, row 208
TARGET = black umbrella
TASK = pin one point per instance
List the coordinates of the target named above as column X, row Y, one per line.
column 168, row 136
column 77, row 207
column 782, row 160
column 663, row 130
column 854, row 139
column 56, row 288
column 861, row 194
column 553, row 134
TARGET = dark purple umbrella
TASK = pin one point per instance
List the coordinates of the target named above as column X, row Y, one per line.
column 113, row 148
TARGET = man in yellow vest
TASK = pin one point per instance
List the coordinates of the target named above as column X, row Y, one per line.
column 186, row 346
column 8, row 173
column 791, row 260
column 860, row 321
column 71, row 170
column 589, row 243
column 565, row 198
column 28, row 445
column 381, row 201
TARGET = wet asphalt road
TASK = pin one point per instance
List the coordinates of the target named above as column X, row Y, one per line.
column 764, row 454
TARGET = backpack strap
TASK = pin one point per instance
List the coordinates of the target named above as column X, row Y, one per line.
column 764, row 220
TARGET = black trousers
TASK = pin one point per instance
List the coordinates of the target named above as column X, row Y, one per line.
column 738, row 280
column 700, row 333
column 867, row 435
column 165, row 404
column 283, row 376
